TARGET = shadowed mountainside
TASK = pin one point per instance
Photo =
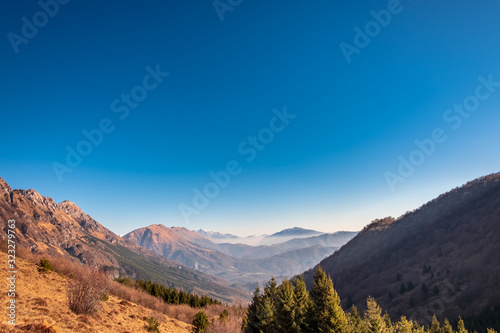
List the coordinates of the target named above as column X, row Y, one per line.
column 442, row 258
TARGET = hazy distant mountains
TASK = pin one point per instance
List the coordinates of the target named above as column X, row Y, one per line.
column 44, row 226
column 240, row 264
column 442, row 258
column 288, row 234
column 276, row 238
column 217, row 235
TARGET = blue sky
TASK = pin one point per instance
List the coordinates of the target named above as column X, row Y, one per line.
column 325, row 169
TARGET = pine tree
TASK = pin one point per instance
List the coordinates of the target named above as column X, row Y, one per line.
column 402, row 288
column 266, row 315
column 303, row 304
column 435, row 327
column 253, row 323
column 387, row 320
column 271, row 290
column 373, row 316
column 327, row 315
column 461, row 326
column 404, row 326
column 446, row 327
column 266, row 312
column 354, row 320
column 417, row 328
column 285, row 309
column 200, row 322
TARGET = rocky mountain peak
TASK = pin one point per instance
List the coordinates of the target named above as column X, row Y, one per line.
column 38, row 199
column 70, row 208
column 4, row 186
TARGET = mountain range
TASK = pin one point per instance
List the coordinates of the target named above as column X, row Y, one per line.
column 242, row 265
column 442, row 258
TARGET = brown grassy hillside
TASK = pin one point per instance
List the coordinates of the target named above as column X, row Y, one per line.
column 42, row 306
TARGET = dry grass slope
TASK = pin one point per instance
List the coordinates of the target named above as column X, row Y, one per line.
column 42, row 306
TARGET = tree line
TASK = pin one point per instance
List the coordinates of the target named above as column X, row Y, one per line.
column 290, row 308
column 168, row 294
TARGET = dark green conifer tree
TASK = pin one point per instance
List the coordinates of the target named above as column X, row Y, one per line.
column 303, row 304
column 266, row 315
column 327, row 314
column 253, row 323
column 286, row 308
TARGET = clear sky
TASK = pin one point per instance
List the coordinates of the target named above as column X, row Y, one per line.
column 356, row 103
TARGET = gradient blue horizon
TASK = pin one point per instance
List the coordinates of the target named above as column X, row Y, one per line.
column 324, row 171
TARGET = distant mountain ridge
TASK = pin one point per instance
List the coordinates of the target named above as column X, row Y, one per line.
column 238, row 263
column 333, row 240
column 217, row 235
column 64, row 229
column 288, row 234
column 295, row 231
column 442, row 258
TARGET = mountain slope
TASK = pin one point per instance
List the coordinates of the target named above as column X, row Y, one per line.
column 41, row 300
column 63, row 229
column 442, row 258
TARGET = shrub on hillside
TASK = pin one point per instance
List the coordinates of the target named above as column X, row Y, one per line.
column 223, row 315
column 201, row 322
column 86, row 291
column 152, row 325
column 45, row 266
column 125, row 281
